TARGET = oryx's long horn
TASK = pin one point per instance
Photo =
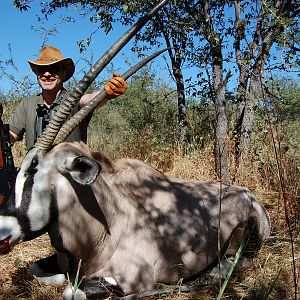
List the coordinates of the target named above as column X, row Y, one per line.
column 71, row 124
column 68, row 103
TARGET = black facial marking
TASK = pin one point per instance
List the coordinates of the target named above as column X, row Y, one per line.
column 22, row 211
column 53, row 227
column 27, row 198
column 32, row 169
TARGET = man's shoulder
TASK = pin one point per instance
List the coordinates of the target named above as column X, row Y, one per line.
column 32, row 101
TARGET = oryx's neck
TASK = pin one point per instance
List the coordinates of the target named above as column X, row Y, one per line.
column 96, row 208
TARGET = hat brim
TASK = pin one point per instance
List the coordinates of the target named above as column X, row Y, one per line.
column 67, row 62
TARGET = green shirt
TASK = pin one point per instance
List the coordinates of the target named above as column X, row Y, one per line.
column 25, row 118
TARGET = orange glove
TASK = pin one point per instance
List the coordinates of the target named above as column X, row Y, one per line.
column 115, row 87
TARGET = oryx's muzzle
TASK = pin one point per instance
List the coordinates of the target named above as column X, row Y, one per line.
column 5, row 245
column 10, row 233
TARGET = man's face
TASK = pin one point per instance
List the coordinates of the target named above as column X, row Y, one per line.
column 51, row 77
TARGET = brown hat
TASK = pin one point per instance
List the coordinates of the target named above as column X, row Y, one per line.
column 50, row 55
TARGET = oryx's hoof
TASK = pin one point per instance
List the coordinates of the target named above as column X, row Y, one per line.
column 71, row 294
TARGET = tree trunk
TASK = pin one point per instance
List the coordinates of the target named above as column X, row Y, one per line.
column 182, row 120
column 176, row 45
column 249, row 116
column 263, row 39
column 240, row 109
column 221, row 141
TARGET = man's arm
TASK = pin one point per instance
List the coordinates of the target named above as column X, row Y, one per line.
column 13, row 137
column 18, row 122
column 114, row 88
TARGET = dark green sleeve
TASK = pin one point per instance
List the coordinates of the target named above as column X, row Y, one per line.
column 18, row 122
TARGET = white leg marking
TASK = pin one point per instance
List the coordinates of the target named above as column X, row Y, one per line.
column 70, row 294
column 43, row 277
column 111, row 280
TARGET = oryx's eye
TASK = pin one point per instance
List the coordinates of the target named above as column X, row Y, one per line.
column 33, row 167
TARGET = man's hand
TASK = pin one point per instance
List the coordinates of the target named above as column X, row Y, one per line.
column 115, row 87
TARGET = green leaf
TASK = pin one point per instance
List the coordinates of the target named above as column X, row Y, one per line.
column 17, row 262
column 125, row 8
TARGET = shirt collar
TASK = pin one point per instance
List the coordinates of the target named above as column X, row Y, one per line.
column 40, row 100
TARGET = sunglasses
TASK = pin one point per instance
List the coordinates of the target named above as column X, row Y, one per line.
column 53, row 69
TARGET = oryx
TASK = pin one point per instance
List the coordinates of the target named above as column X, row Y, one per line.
column 125, row 221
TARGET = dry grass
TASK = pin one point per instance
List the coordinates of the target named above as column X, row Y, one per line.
column 13, row 272
column 269, row 277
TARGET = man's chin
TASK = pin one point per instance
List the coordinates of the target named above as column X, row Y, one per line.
column 48, row 87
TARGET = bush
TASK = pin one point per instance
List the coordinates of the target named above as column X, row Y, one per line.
column 145, row 115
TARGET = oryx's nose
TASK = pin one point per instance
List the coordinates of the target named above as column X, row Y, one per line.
column 5, row 245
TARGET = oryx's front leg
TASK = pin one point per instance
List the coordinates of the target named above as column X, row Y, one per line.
column 50, row 270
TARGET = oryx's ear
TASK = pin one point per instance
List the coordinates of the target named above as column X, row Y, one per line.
column 82, row 169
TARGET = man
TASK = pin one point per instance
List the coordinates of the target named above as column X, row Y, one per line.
column 33, row 113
